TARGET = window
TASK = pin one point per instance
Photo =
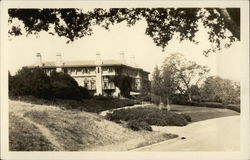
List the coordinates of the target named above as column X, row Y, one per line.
column 112, row 85
column 86, row 82
column 105, row 85
column 92, row 84
column 86, row 85
column 110, row 70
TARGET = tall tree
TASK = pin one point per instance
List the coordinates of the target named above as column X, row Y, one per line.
column 169, row 83
column 162, row 23
column 156, row 85
column 145, row 90
column 186, row 73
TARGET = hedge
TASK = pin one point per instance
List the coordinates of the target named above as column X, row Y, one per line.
column 213, row 105
column 152, row 116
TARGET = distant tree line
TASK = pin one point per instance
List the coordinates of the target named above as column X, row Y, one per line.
column 34, row 82
column 180, row 80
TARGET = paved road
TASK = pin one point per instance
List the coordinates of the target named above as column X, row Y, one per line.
column 220, row 134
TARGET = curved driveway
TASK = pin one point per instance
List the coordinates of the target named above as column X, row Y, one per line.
column 220, row 134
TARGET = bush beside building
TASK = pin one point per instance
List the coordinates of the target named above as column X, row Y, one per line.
column 34, row 82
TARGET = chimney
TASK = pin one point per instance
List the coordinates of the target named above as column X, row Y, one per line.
column 58, row 59
column 122, row 57
column 98, row 60
column 132, row 61
column 38, row 59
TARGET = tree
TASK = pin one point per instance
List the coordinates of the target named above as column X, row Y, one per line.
column 124, row 83
column 195, row 91
column 29, row 81
column 162, row 23
column 156, row 82
column 34, row 82
column 65, row 87
column 169, row 82
column 145, row 90
column 186, row 73
column 221, row 90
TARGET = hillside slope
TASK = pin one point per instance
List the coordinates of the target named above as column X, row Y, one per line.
column 48, row 128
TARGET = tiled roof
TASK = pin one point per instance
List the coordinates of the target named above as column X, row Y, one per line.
column 52, row 64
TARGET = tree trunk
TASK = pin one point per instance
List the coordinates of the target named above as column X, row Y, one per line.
column 189, row 97
column 230, row 23
column 168, row 104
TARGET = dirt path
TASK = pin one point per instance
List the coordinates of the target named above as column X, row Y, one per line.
column 19, row 111
column 220, row 134
column 46, row 133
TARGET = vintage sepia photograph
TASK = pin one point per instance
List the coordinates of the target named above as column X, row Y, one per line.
column 124, row 78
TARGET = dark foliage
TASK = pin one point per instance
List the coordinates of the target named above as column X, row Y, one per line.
column 124, row 83
column 65, row 87
column 214, row 105
column 145, row 90
column 162, row 23
column 34, row 82
column 136, row 126
column 155, row 99
column 179, row 99
column 234, row 107
column 30, row 82
column 151, row 116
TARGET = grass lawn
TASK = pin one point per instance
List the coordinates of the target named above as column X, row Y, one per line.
column 24, row 136
column 203, row 113
column 42, row 127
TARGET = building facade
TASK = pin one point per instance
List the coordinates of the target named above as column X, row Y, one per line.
column 95, row 75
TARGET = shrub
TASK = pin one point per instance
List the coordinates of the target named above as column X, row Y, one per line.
column 214, row 105
column 84, row 92
column 124, row 83
column 155, row 99
column 137, row 125
column 34, row 82
column 101, row 97
column 152, row 116
column 65, row 87
column 187, row 117
column 179, row 99
column 29, row 81
column 234, row 107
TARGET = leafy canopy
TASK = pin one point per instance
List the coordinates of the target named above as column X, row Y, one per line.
column 162, row 23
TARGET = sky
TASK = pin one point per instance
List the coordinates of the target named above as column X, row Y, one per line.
column 132, row 41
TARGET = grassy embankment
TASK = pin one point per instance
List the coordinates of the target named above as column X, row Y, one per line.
column 49, row 128
column 95, row 104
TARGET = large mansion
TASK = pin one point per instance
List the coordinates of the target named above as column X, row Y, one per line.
column 95, row 74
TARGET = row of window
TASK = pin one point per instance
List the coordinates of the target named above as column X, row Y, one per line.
column 85, row 70
column 89, row 70
column 91, row 85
